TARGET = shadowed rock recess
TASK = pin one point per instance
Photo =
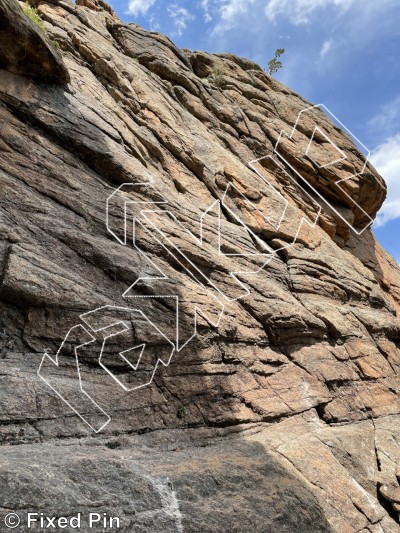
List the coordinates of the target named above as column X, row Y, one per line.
column 282, row 413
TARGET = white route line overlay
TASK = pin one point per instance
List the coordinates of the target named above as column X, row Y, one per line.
column 145, row 213
column 304, row 179
column 55, row 361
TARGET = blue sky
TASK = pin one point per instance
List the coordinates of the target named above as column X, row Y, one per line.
column 342, row 53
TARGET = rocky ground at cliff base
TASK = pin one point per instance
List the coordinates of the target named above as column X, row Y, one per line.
column 282, row 412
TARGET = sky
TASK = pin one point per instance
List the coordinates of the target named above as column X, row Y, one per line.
column 344, row 54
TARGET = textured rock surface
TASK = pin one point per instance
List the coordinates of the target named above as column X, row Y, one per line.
column 164, row 488
column 282, row 416
column 24, row 48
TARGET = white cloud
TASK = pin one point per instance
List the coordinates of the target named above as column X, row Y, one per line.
column 140, row 7
column 154, row 23
column 230, row 13
column 181, row 16
column 326, row 47
column 386, row 159
column 388, row 118
column 205, row 5
column 299, row 11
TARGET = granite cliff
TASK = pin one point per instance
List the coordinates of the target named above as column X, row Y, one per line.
column 198, row 329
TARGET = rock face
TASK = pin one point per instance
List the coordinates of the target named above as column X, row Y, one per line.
column 25, row 50
column 188, row 241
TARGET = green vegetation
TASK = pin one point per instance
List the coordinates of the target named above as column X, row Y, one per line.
column 33, row 14
column 217, row 77
column 182, row 413
column 275, row 64
column 134, row 57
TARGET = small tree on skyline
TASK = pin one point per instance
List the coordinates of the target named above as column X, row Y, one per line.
column 275, row 64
